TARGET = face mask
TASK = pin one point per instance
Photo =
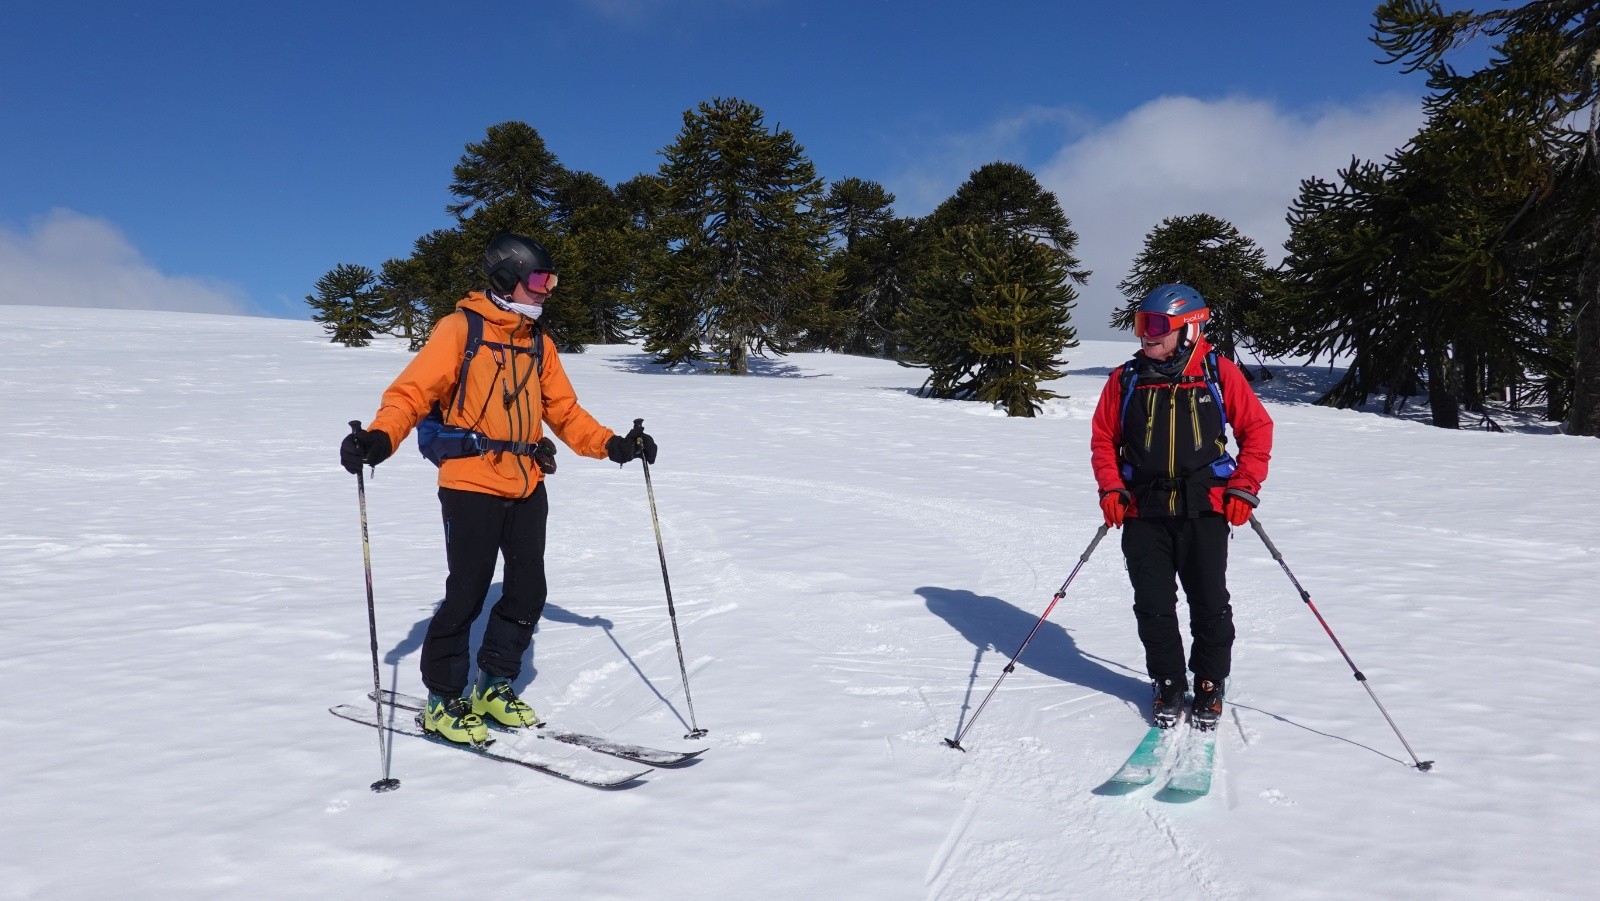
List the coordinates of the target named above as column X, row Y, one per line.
column 526, row 309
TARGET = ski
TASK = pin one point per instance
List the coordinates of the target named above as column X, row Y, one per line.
column 624, row 750
column 1191, row 775
column 1148, row 758
column 510, row 751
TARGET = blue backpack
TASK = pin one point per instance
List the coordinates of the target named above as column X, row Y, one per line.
column 439, row 441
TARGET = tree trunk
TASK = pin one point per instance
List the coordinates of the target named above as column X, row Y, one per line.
column 1583, row 416
column 1442, row 400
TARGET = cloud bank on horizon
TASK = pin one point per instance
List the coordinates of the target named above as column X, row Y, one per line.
column 68, row 259
column 1239, row 159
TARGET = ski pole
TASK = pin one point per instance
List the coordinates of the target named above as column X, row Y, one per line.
column 694, row 729
column 386, row 783
column 1060, row 593
column 1423, row 765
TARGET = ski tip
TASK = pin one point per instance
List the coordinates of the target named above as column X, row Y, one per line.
column 630, row 780
column 386, row 785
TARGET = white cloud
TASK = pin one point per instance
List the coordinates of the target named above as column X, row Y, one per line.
column 67, row 259
column 1238, row 159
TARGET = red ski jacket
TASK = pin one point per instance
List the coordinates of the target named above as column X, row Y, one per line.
column 1171, row 452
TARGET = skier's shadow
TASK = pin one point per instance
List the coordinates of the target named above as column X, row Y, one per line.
column 412, row 643
column 992, row 624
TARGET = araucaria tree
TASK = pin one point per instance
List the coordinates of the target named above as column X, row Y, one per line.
column 1443, row 268
column 990, row 311
column 1209, row 255
column 510, row 181
column 745, row 238
column 871, row 263
column 348, row 305
column 1544, row 72
column 991, row 318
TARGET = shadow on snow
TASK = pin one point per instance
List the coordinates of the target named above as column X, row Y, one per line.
column 412, row 644
column 760, row 367
column 991, row 624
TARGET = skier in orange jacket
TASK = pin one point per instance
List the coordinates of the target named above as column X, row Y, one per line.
column 492, row 454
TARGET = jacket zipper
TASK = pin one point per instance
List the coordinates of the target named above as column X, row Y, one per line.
column 1194, row 414
column 1150, row 422
column 1172, row 445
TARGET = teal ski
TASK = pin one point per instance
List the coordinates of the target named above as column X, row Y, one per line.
column 1148, row 758
column 1191, row 775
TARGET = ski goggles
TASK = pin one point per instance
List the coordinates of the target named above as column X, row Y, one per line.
column 540, row 282
column 1153, row 325
column 1157, row 325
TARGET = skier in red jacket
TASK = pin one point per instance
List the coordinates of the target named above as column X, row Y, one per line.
column 1159, row 450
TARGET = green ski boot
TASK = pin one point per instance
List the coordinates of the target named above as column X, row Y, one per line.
column 453, row 720
column 493, row 698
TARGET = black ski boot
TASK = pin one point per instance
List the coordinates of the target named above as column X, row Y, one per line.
column 1207, row 704
column 1168, row 705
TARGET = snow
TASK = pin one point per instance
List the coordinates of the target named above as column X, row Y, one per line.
column 852, row 567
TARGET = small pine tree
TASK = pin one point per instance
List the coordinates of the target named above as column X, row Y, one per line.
column 990, row 318
column 402, row 287
column 348, row 304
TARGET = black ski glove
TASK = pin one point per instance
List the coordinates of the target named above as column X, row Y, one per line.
column 544, row 454
column 363, row 447
column 622, row 448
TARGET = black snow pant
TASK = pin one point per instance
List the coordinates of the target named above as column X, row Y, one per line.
column 1160, row 552
column 478, row 528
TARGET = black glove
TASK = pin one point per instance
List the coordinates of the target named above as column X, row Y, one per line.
column 636, row 443
column 643, row 445
column 363, row 447
column 619, row 449
column 544, row 454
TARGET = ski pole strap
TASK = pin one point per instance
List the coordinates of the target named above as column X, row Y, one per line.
column 1243, row 495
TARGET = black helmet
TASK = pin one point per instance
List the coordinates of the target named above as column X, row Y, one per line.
column 509, row 258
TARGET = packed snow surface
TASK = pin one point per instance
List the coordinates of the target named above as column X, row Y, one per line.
column 852, row 567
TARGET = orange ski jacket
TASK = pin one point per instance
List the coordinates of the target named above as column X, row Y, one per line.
column 505, row 399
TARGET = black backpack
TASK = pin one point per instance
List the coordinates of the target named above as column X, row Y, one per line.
column 439, row 441
column 1128, row 376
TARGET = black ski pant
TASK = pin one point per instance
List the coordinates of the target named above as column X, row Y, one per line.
column 1162, row 551
column 478, row 528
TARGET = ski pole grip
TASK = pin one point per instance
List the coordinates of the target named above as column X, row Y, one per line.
column 355, row 426
column 1099, row 534
column 1256, row 524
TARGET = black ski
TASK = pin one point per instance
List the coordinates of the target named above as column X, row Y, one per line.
column 624, row 750
column 509, row 751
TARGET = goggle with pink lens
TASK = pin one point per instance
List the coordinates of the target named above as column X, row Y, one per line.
column 1152, row 325
column 540, row 282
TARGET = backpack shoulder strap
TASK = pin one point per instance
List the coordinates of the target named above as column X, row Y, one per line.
column 1128, row 377
column 1214, row 384
column 474, row 341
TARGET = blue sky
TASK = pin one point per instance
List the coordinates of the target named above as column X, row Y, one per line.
column 195, row 155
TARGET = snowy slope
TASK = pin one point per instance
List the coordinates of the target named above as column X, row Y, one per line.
column 852, row 566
